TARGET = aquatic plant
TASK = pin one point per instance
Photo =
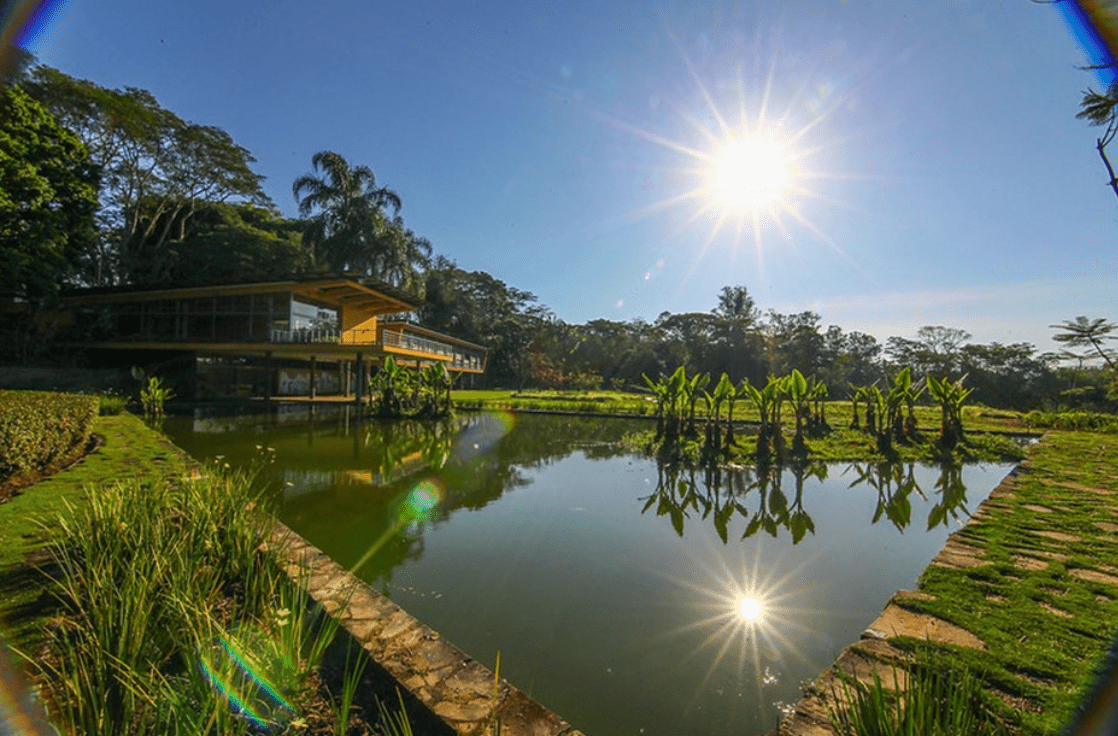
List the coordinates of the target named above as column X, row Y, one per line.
column 950, row 395
column 153, row 396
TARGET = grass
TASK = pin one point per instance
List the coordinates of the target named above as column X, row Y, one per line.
column 150, row 608
column 976, row 418
column 938, row 700
column 1046, row 599
column 129, row 449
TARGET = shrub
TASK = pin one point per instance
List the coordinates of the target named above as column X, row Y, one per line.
column 112, row 404
column 38, row 426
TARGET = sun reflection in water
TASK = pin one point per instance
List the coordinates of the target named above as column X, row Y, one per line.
column 750, row 616
column 750, row 609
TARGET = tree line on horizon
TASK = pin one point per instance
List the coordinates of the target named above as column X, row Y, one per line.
column 102, row 187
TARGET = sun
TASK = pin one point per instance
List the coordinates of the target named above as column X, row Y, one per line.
column 749, row 608
column 752, row 163
column 751, row 172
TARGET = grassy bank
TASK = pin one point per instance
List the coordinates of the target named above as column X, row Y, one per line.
column 839, row 413
column 1035, row 578
column 139, row 587
column 128, row 450
column 986, row 440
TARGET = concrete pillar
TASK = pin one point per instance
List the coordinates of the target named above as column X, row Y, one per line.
column 314, row 376
column 359, row 390
column 269, row 376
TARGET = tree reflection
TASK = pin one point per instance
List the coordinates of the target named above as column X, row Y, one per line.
column 895, row 484
column 759, row 498
column 756, row 495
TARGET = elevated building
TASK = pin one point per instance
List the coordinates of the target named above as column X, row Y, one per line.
column 305, row 336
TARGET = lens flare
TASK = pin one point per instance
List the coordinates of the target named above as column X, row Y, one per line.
column 411, row 508
column 749, row 608
column 237, row 675
column 482, row 434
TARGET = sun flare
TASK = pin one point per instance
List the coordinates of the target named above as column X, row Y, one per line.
column 751, row 172
column 749, row 608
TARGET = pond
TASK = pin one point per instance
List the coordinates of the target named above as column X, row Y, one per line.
column 628, row 598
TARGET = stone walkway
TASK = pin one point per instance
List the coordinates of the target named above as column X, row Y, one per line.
column 1040, row 519
column 463, row 693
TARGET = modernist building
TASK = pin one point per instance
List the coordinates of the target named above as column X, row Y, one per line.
column 300, row 336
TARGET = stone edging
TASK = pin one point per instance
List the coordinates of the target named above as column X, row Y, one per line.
column 873, row 654
column 461, row 692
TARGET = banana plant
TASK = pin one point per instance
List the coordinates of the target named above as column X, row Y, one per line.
column 950, row 395
column 857, row 394
column 659, row 391
column 817, row 392
column 692, row 392
column 768, row 402
column 796, row 389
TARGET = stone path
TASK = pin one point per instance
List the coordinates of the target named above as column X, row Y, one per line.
column 463, row 693
column 1027, row 504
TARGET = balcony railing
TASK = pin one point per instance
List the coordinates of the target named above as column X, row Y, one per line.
column 307, row 334
column 459, row 357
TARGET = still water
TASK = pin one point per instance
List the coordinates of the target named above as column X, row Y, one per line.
column 629, row 598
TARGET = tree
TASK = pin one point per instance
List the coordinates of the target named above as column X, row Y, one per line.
column 794, row 342
column 157, row 170
column 935, row 350
column 48, row 197
column 1102, row 110
column 231, row 243
column 475, row 306
column 734, row 302
column 48, row 194
column 1083, row 332
column 347, row 216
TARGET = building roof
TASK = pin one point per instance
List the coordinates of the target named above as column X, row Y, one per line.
column 334, row 289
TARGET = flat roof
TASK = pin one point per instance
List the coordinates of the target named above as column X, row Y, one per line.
column 334, row 289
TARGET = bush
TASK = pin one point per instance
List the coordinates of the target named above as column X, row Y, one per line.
column 1081, row 420
column 38, row 426
column 112, row 404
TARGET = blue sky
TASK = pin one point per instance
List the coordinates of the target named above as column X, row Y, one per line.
column 939, row 174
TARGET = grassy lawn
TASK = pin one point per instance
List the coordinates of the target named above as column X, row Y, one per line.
column 976, row 418
column 1042, row 589
column 130, row 450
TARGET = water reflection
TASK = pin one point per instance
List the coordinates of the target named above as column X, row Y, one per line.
column 529, row 539
column 759, row 498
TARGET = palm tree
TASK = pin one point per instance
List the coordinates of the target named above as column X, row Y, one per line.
column 1102, row 109
column 347, row 214
column 402, row 256
column 1083, row 332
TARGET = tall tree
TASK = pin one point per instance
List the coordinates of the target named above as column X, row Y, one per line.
column 48, row 197
column 1083, row 332
column 156, row 171
column 1102, row 110
column 347, row 211
column 734, row 302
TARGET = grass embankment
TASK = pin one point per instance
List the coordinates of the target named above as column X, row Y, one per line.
column 1038, row 583
column 145, row 597
column 985, row 441
column 27, row 521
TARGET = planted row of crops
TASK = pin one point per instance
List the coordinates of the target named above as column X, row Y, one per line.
column 888, row 412
column 37, row 427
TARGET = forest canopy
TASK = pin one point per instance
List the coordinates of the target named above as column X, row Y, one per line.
column 103, row 186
